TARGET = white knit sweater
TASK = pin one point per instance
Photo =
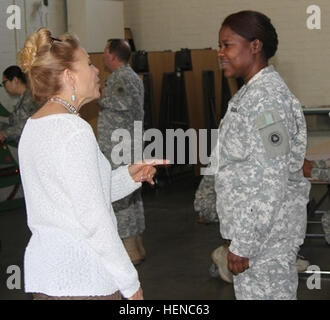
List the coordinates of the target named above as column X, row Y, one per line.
column 75, row 249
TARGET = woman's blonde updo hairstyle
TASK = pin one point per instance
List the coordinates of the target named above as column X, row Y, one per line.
column 44, row 58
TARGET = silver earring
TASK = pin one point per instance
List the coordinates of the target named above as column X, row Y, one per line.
column 73, row 97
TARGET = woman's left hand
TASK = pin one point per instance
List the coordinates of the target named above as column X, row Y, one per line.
column 145, row 170
column 237, row 264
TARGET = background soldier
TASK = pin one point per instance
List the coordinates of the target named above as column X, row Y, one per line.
column 320, row 170
column 205, row 201
column 121, row 104
column 14, row 82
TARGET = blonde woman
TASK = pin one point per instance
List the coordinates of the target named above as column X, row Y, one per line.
column 75, row 251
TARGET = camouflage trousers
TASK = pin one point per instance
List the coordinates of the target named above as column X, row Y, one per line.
column 130, row 215
column 274, row 279
column 205, row 199
column 326, row 226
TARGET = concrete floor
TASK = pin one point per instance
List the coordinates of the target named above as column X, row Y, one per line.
column 178, row 250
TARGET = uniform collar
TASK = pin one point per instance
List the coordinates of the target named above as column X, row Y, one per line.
column 261, row 73
column 23, row 95
column 122, row 67
column 256, row 77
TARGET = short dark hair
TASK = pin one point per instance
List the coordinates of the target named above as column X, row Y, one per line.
column 15, row 71
column 253, row 25
column 120, row 48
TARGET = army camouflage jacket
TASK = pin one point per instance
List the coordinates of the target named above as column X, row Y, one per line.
column 122, row 104
column 24, row 108
column 261, row 191
column 321, row 170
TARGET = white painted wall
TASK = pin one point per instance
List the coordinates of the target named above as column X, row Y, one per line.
column 95, row 21
column 303, row 58
column 33, row 16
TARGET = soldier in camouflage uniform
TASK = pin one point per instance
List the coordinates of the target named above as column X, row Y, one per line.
column 320, row 170
column 205, row 200
column 261, row 191
column 325, row 220
column 15, row 84
column 121, row 105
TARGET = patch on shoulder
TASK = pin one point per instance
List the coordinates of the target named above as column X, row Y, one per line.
column 118, row 89
column 273, row 133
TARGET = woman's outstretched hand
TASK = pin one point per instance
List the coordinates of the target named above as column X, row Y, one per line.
column 145, row 170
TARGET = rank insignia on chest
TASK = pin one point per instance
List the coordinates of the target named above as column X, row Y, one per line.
column 233, row 109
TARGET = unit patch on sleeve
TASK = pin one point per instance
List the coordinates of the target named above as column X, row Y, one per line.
column 273, row 133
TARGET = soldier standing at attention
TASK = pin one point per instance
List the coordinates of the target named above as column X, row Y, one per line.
column 122, row 104
column 14, row 82
column 261, row 191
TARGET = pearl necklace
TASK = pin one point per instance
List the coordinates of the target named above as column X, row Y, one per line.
column 65, row 104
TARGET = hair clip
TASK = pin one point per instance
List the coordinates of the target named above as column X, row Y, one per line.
column 54, row 39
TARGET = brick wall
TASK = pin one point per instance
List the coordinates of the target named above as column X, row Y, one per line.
column 303, row 58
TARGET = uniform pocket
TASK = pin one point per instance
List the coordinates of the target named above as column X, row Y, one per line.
column 273, row 133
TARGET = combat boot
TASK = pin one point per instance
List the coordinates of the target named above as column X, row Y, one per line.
column 302, row 263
